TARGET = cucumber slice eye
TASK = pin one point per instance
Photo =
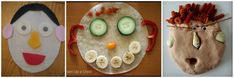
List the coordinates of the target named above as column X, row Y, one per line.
column 126, row 25
column 98, row 27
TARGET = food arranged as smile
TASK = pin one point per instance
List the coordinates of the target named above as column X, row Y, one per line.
column 196, row 40
column 112, row 37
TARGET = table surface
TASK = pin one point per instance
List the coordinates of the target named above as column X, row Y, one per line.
column 225, row 66
column 151, row 63
column 9, row 68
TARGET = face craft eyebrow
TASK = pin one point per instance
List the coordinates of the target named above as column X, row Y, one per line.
column 35, row 7
column 175, row 26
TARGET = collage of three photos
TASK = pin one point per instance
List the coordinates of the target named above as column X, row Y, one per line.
column 157, row 38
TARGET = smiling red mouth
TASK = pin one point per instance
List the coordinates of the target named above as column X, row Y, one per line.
column 33, row 59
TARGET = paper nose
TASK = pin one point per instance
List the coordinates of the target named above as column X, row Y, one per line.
column 34, row 40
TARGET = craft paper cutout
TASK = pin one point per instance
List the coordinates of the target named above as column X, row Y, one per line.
column 112, row 43
column 23, row 28
column 7, row 31
column 34, row 40
column 45, row 29
column 60, row 33
column 34, row 43
column 29, row 58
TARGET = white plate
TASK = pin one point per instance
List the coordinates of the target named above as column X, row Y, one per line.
column 86, row 41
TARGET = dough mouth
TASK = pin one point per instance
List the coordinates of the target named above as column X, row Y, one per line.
column 191, row 61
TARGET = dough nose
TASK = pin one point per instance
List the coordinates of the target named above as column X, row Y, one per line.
column 191, row 61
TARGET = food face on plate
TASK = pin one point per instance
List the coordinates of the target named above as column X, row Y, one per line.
column 113, row 40
column 34, row 37
column 196, row 40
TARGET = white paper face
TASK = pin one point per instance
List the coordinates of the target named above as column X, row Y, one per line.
column 45, row 54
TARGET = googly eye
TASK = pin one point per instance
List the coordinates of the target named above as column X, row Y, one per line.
column 23, row 28
column 203, row 28
column 193, row 27
column 45, row 29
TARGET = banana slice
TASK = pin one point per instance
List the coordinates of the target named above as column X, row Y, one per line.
column 102, row 62
column 90, row 56
column 135, row 47
column 170, row 41
column 220, row 37
column 128, row 58
column 116, row 62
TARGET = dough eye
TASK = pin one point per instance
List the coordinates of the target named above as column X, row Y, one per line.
column 126, row 25
column 23, row 28
column 45, row 29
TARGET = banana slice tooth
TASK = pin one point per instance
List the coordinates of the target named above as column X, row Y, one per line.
column 220, row 37
column 135, row 47
column 102, row 62
column 116, row 62
column 128, row 57
column 90, row 56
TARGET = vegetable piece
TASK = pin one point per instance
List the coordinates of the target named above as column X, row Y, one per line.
column 111, row 45
column 126, row 25
column 90, row 14
column 153, row 34
column 98, row 27
column 98, row 13
column 73, row 37
column 106, row 10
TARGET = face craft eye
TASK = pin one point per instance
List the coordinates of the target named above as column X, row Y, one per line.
column 126, row 25
column 23, row 28
column 45, row 29
column 98, row 27
column 203, row 27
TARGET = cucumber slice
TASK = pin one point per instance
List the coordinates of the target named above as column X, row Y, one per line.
column 98, row 27
column 126, row 25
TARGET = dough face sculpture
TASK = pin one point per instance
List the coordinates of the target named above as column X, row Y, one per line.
column 196, row 40
column 112, row 38
column 34, row 37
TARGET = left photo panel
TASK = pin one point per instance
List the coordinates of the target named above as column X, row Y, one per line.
column 33, row 35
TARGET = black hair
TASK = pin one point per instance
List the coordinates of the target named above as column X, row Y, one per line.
column 34, row 7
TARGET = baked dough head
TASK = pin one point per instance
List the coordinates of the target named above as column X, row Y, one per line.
column 194, row 60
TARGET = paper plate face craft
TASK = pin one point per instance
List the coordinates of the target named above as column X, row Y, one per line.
column 196, row 39
column 34, row 37
column 112, row 37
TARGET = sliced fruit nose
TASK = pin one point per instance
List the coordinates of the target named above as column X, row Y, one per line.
column 191, row 61
column 111, row 45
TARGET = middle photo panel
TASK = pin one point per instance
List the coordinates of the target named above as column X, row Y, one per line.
column 113, row 38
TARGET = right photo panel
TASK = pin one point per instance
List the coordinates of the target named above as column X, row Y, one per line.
column 197, row 38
